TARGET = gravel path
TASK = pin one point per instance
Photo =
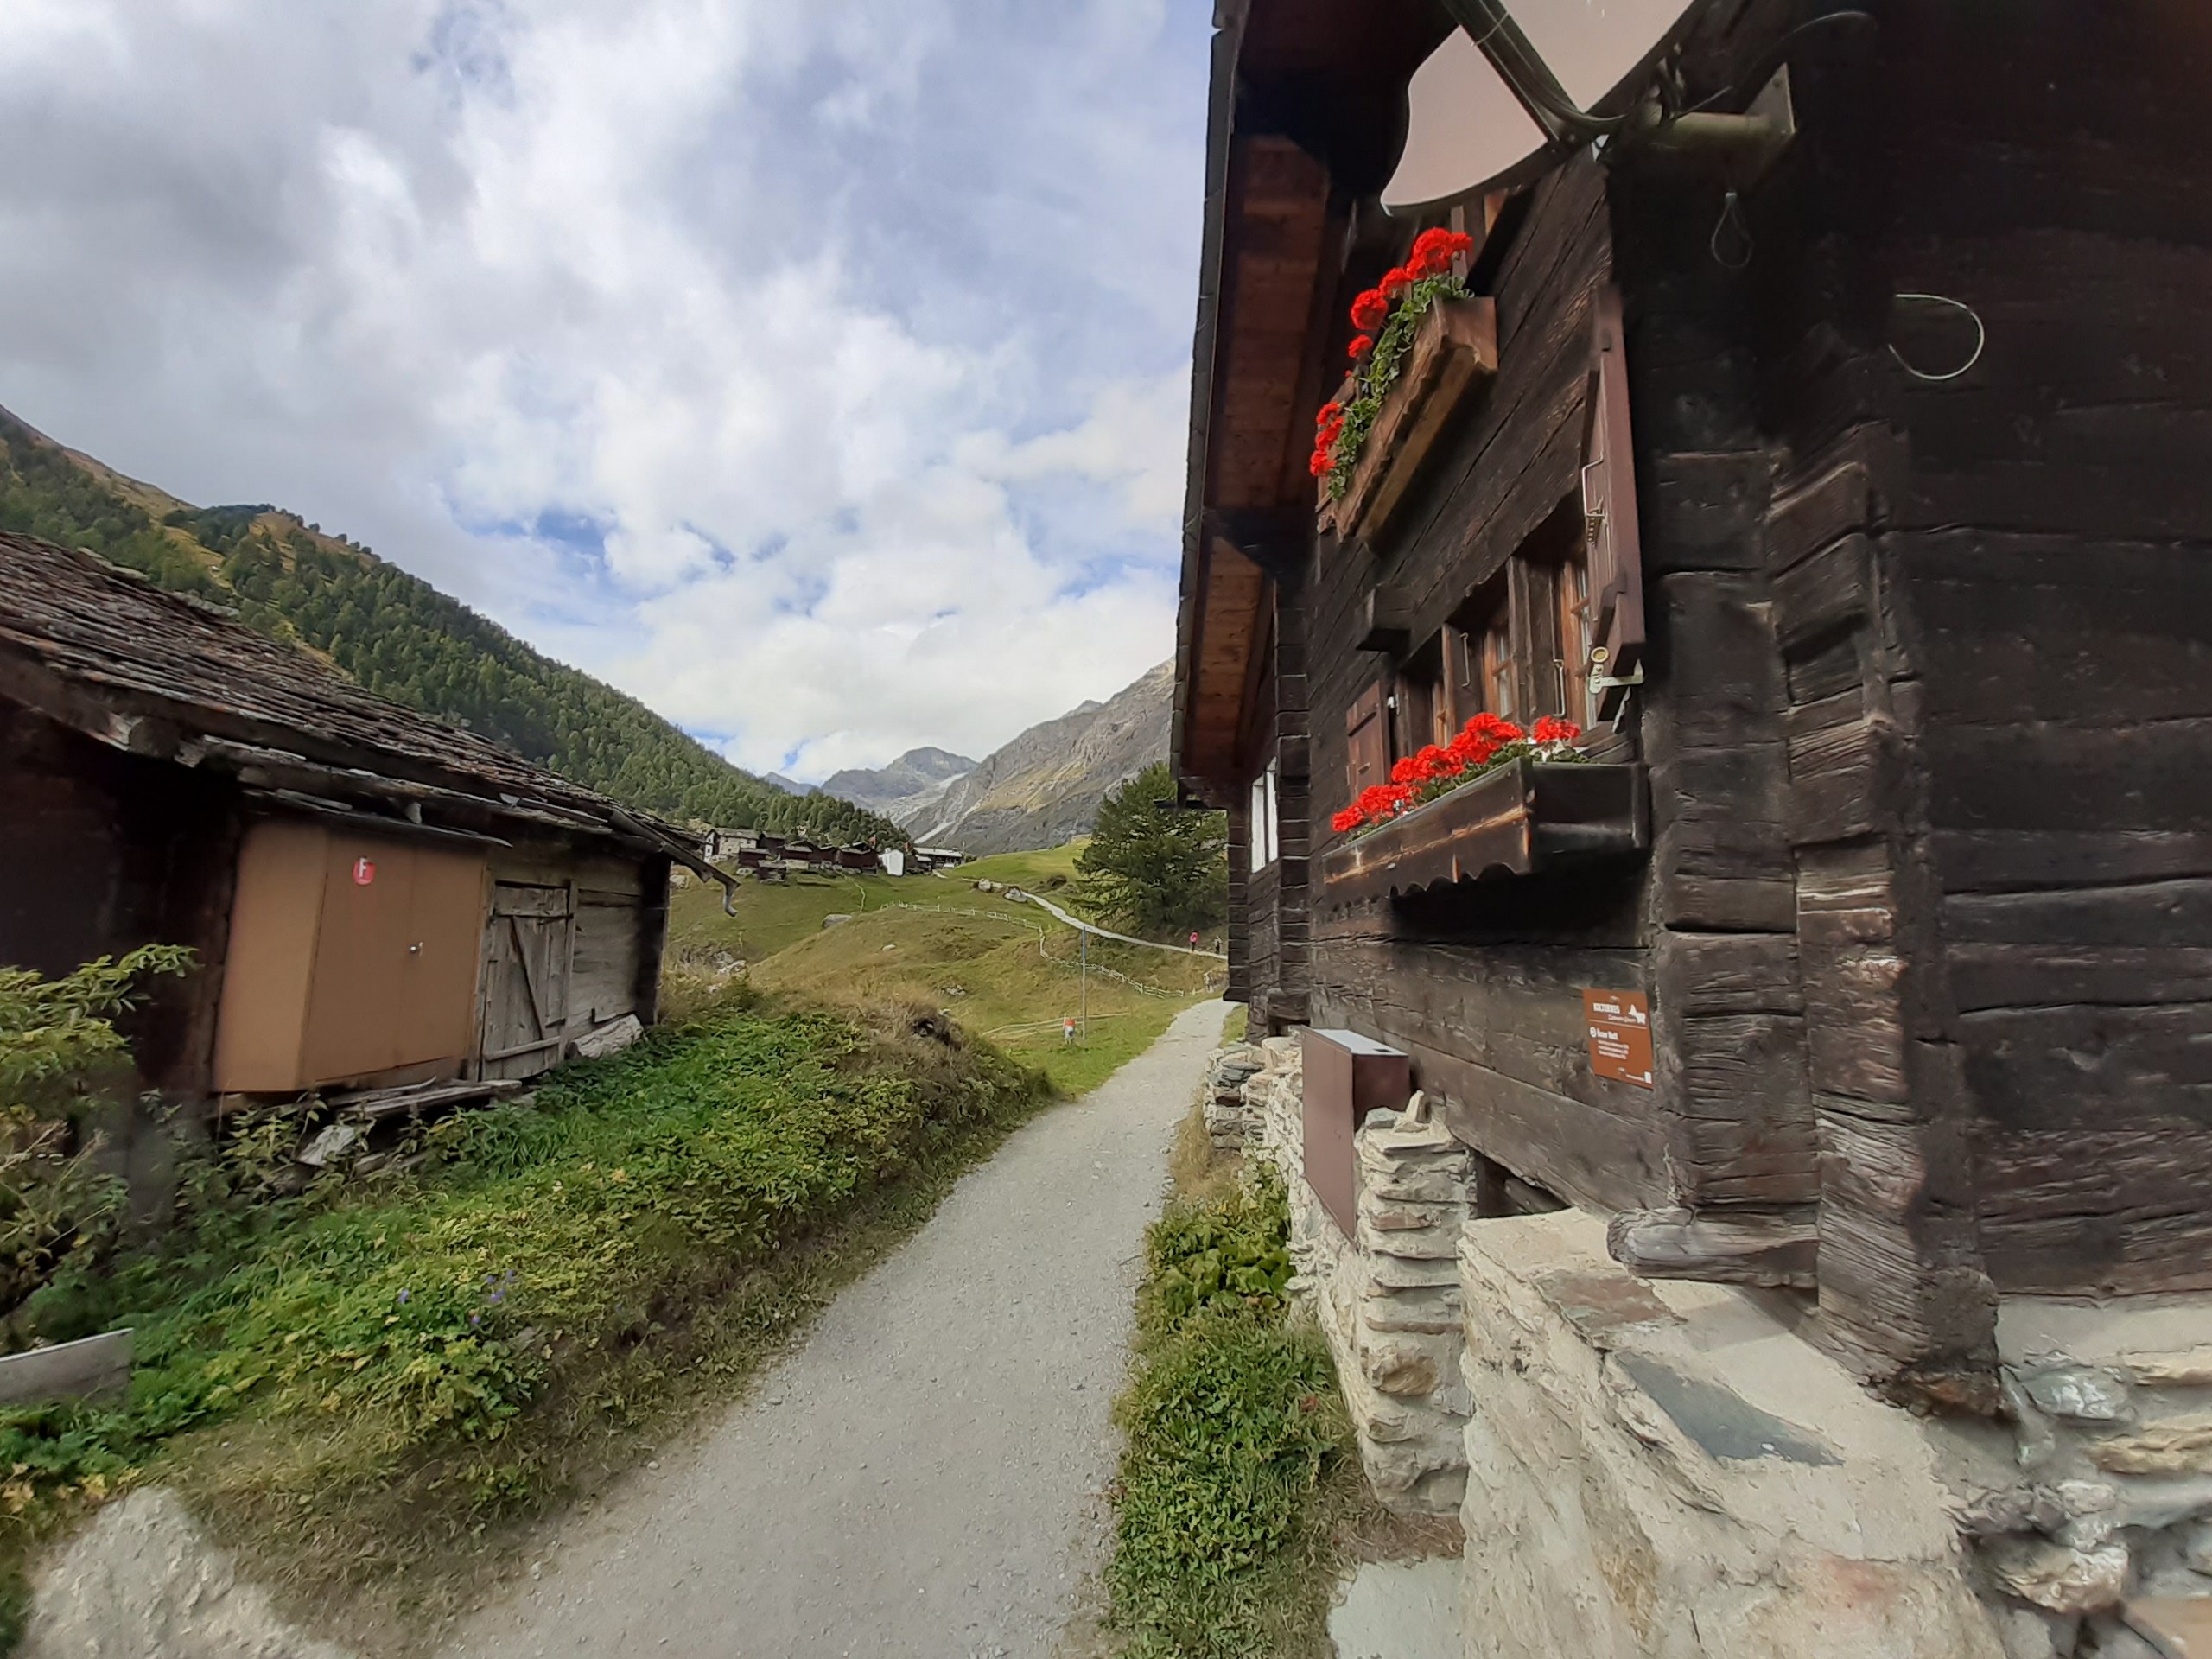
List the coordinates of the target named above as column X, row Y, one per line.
column 918, row 1479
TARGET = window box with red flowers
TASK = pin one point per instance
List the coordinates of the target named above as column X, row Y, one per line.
column 1496, row 801
column 1424, row 344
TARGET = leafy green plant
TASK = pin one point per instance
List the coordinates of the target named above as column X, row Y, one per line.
column 1232, row 1251
column 57, row 1043
column 1233, row 1419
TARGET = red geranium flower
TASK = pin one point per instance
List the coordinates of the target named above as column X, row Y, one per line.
column 1370, row 310
column 1395, row 281
column 1320, row 464
column 1360, row 347
column 1327, row 412
column 1552, row 728
column 1481, row 739
column 1380, row 801
column 1349, row 818
column 1434, row 250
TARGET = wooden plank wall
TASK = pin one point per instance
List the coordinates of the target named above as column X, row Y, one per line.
column 102, row 852
column 1989, row 596
column 622, row 920
column 2046, row 569
column 1483, row 989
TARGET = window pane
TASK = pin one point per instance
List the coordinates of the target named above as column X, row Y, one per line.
column 1575, row 640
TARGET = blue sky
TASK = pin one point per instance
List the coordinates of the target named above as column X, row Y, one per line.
column 816, row 373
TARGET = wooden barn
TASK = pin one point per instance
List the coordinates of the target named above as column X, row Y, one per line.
column 1836, row 456
column 376, row 898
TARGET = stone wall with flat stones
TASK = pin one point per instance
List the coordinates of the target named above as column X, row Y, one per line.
column 2095, row 1532
column 1388, row 1298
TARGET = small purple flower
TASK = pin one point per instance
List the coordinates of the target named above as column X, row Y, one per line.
column 403, row 1296
column 476, row 1318
column 499, row 1295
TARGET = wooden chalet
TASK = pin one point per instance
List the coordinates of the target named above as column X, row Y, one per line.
column 376, row 898
column 1851, row 501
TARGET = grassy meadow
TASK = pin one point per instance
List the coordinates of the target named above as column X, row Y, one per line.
column 1007, row 973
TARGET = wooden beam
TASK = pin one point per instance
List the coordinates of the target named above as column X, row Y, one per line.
column 1779, row 1251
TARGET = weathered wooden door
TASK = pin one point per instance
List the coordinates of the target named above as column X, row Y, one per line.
column 529, row 955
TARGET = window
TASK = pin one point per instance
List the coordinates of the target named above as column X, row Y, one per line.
column 1367, row 743
column 1266, row 834
column 1571, row 607
column 1497, row 676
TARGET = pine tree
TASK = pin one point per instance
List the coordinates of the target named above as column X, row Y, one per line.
column 1160, row 871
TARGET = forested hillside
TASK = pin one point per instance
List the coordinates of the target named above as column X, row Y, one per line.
column 400, row 636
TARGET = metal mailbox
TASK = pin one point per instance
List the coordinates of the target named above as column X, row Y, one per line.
column 1347, row 1076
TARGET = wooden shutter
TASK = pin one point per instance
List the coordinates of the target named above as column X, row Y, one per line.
column 1616, row 571
column 1367, row 744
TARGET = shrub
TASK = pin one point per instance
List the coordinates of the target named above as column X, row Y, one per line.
column 1232, row 1417
column 57, row 1046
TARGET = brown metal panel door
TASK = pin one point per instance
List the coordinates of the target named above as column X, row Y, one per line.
column 445, row 921
column 528, row 955
column 359, row 1004
column 269, row 966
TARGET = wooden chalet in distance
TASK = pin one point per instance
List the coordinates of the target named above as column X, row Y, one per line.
column 1845, row 476
column 376, row 898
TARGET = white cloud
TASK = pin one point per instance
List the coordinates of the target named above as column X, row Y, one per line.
column 817, row 373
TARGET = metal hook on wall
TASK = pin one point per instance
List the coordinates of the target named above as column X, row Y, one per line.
column 1980, row 339
column 1731, row 219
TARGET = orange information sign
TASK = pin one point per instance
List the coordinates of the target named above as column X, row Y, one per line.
column 1620, row 1035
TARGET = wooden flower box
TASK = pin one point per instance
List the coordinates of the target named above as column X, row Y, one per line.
column 1524, row 818
column 1455, row 351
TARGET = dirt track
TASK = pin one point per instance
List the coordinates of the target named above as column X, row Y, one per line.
column 919, row 1479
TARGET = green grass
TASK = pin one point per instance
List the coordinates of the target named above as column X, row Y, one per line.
column 976, row 955
column 994, row 975
column 371, row 1387
column 775, row 915
column 1239, row 1461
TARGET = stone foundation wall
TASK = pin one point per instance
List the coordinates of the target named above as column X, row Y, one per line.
column 1389, row 1299
column 2092, row 1521
column 1674, row 1469
column 1670, row 1469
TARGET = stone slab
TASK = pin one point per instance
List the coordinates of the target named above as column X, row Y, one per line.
column 69, row 1371
column 1399, row 1609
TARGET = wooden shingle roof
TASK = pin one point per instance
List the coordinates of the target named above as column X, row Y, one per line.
column 102, row 651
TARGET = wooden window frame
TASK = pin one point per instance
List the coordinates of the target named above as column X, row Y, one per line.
column 1613, row 530
column 1263, row 836
column 1367, row 742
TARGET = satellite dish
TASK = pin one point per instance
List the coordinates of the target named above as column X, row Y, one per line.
column 1508, row 89
column 1600, row 50
column 1468, row 134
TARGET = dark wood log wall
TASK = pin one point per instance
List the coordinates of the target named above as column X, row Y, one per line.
column 1290, row 1003
column 1996, row 607
column 1483, row 987
column 104, row 852
column 1927, row 921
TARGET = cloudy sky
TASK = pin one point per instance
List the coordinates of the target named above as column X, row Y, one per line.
column 817, row 372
